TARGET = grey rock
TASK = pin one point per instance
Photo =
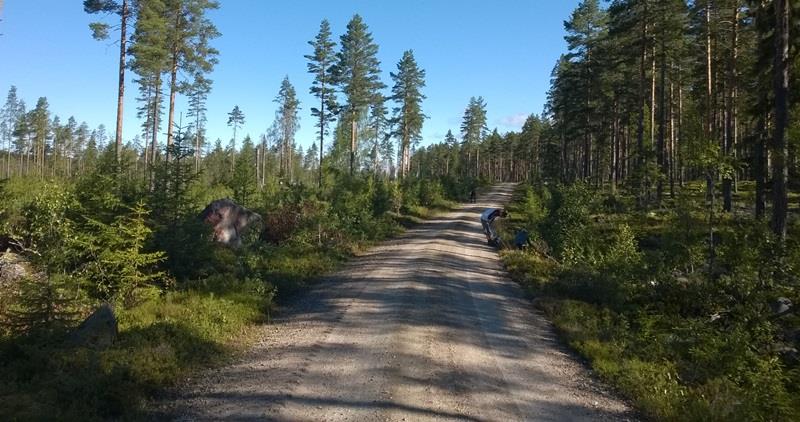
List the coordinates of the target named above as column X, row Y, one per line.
column 229, row 221
column 98, row 331
column 780, row 305
column 13, row 267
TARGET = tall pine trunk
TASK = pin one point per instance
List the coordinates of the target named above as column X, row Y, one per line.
column 780, row 172
column 173, row 90
column 173, row 85
column 760, row 165
column 640, row 161
column 121, row 86
column 154, row 132
column 662, row 123
column 730, row 113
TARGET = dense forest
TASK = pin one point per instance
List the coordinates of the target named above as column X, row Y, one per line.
column 659, row 189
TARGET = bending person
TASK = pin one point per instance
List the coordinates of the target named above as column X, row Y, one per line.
column 487, row 221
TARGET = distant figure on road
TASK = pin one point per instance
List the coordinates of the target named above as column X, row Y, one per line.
column 472, row 196
column 487, row 221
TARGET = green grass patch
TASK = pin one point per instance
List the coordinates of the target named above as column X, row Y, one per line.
column 159, row 342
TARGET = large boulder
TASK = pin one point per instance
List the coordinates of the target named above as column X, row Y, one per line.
column 13, row 267
column 98, row 331
column 229, row 221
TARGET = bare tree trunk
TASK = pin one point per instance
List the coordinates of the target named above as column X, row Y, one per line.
column 709, row 81
column 679, row 153
column 671, row 149
column 662, row 124
column 121, row 87
column 640, row 162
column 478, row 162
column 321, row 127
column 760, row 165
column 730, row 120
column 197, row 143
column 780, row 174
column 615, row 149
column 353, row 142
column 587, row 136
column 173, row 90
column 173, row 87
column 154, row 146
column 8, row 159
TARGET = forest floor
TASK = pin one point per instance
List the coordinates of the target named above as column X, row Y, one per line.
column 427, row 326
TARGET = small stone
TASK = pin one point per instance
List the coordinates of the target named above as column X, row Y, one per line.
column 98, row 331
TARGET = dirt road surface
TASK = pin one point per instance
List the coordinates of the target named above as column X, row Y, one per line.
column 427, row 326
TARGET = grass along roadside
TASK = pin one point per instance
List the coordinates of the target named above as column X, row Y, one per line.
column 630, row 292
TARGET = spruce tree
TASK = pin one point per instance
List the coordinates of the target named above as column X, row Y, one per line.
column 244, row 182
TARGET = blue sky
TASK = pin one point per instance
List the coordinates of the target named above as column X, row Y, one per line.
column 501, row 50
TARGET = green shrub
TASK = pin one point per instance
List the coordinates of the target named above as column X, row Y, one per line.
column 430, row 193
column 683, row 337
column 116, row 265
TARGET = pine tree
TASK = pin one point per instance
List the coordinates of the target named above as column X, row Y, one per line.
column 585, row 29
column 21, row 134
column 235, row 121
column 408, row 117
column 320, row 64
column 473, row 130
column 149, row 60
column 9, row 115
column 198, row 94
column 188, row 34
column 357, row 72
column 531, row 145
column 41, row 129
column 100, row 32
column 780, row 167
column 287, row 124
column 451, row 161
column 79, row 146
column 377, row 131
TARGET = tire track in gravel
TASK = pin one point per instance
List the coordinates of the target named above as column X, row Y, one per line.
column 427, row 326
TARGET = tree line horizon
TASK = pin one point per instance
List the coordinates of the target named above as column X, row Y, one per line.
column 167, row 45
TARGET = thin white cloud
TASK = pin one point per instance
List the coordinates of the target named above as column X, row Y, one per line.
column 514, row 121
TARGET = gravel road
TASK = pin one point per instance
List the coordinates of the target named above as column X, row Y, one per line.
column 427, row 326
